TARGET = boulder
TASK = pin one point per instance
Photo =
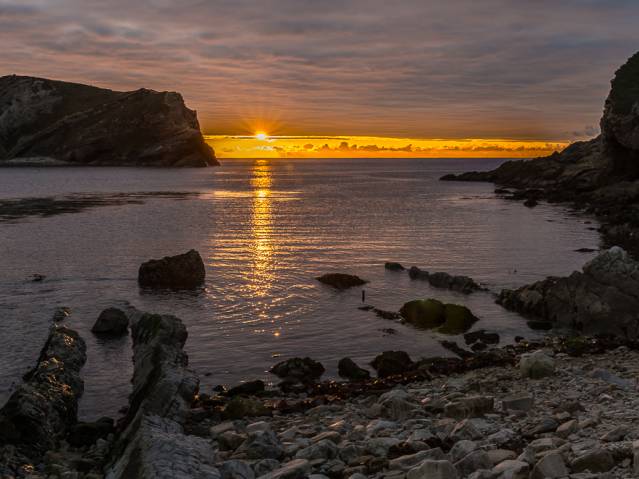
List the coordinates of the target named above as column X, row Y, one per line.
column 348, row 369
column 241, row 407
column 424, row 313
column 184, row 271
column 112, row 321
column 341, row 281
column 459, row 319
column 295, row 469
column 415, row 273
column 78, row 124
column 44, row 407
column 390, row 363
column 248, row 388
column 536, row 365
column 461, row 284
column 432, row 469
column 394, row 267
column 550, row 466
column 302, row 370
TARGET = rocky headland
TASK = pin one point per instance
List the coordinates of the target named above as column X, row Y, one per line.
column 600, row 176
column 46, row 122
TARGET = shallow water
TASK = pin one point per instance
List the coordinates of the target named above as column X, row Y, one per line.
column 265, row 229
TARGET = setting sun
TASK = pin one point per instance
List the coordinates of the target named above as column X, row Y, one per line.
column 260, row 135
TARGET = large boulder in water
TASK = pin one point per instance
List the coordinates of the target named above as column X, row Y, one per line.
column 603, row 298
column 341, row 280
column 424, row 313
column 184, row 271
column 112, row 321
column 459, row 319
column 390, row 363
column 303, row 370
column 85, row 125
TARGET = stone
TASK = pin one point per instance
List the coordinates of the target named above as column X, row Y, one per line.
column 295, row 469
column 520, row 402
column 55, row 122
column 462, row 284
column 498, row 456
column 635, row 457
column 415, row 273
column 459, row 319
column 240, row 407
column 424, row 313
column 302, row 370
column 397, row 405
column 410, row 461
column 61, row 314
column 465, row 429
column 348, row 369
column 610, row 378
column 567, row 428
column 473, row 461
column 332, row 436
column 462, row 448
column 230, row 440
column 391, row 363
column 544, row 425
column 536, row 365
column 248, row 388
column 235, row 469
column 184, row 271
column 432, row 469
column 482, row 336
column 596, row 460
column 511, row 469
column 341, row 281
column 323, row 449
column 550, row 466
column 262, row 445
column 619, row 433
column 265, row 466
column 470, row 406
column 394, row 266
column 112, row 321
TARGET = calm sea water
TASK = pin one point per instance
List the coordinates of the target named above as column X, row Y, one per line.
column 265, row 229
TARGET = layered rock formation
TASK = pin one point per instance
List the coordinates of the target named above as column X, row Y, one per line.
column 604, row 298
column 601, row 174
column 154, row 445
column 42, row 409
column 51, row 121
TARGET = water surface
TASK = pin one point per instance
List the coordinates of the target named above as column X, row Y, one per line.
column 265, row 229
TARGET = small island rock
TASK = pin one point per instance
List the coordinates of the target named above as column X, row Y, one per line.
column 184, row 271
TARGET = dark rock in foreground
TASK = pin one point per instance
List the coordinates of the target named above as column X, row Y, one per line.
column 53, row 122
column 341, row 280
column 42, row 409
column 603, row 298
column 184, row 271
column 112, row 322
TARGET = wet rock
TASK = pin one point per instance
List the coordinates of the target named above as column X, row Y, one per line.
column 348, row 369
column 596, row 460
column 295, row 469
column 184, row 271
column 112, row 322
column 302, row 370
column 415, row 273
column 341, row 281
column 481, row 336
column 462, row 448
column 394, row 266
column 43, row 408
column 462, row 284
column 397, row 405
column 235, row 469
column 241, row 407
column 465, row 430
column 431, row 469
column 531, row 203
column 390, row 363
column 248, row 388
column 424, row 313
column 536, row 365
column 550, row 466
column 87, row 433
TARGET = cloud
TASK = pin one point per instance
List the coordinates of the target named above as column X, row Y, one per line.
column 496, row 68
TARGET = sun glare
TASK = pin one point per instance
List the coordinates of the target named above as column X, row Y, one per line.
column 260, row 135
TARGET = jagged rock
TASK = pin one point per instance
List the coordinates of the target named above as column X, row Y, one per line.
column 348, row 369
column 536, row 365
column 183, row 271
column 43, row 408
column 112, row 321
column 153, row 443
column 85, row 125
column 394, row 266
column 390, row 363
column 341, row 280
column 396, row 405
column 601, row 299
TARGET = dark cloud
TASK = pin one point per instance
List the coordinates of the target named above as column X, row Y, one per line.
column 417, row 68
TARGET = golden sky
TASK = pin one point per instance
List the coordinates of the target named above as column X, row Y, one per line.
column 263, row 146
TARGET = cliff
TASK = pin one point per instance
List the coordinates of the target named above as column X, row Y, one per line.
column 85, row 125
column 601, row 174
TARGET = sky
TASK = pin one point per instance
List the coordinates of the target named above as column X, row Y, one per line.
column 521, row 70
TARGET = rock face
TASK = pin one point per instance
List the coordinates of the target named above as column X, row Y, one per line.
column 153, row 444
column 601, row 174
column 184, row 271
column 85, row 125
column 603, row 298
column 42, row 409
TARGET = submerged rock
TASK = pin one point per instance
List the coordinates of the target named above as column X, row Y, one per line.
column 42, row 409
column 341, row 280
column 54, row 122
column 184, row 271
column 112, row 321
column 601, row 299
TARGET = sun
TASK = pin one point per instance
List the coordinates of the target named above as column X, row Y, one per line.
column 260, row 135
